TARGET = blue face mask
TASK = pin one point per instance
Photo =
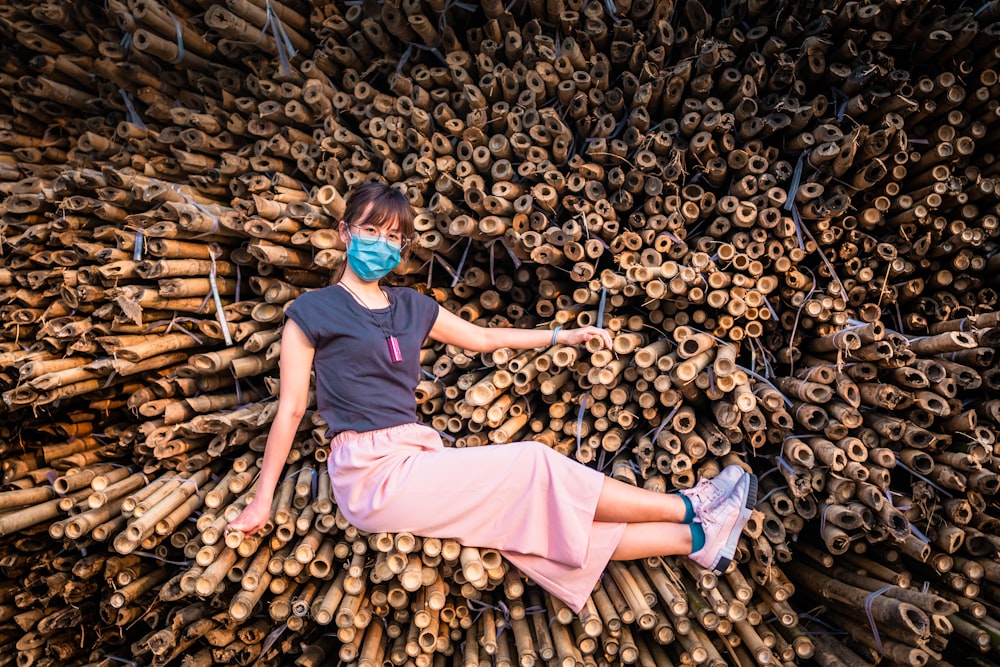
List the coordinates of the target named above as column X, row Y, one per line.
column 372, row 257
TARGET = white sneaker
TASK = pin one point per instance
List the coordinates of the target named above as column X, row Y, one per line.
column 723, row 525
column 708, row 492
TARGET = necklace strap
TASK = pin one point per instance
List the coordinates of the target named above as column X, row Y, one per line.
column 362, row 301
column 389, row 334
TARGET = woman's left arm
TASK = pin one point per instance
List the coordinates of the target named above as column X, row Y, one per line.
column 453, row 330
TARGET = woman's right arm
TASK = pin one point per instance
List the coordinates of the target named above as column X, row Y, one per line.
column 295, row 364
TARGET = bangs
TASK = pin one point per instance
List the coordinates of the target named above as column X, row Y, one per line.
column 386, row 218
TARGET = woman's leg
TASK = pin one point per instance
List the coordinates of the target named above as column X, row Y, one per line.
column 620, row 502
column 644, row 540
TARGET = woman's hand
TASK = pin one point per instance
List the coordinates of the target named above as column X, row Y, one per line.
column 252, row 519
column 582, row 335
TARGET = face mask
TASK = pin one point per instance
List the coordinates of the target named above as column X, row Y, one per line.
column 371, row 257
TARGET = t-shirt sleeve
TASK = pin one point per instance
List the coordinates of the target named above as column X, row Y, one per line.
column 297, row 313
column 427, row 309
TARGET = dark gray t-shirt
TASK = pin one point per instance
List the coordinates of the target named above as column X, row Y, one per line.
column 358, row 387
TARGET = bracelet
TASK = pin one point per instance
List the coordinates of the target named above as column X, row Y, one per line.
column 555, row 332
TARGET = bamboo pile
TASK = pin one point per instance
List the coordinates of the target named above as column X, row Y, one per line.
column 786, row 215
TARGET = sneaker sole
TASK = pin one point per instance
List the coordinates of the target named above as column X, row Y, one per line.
column 728, row 551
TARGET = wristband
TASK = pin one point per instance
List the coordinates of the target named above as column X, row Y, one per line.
column 555, row 332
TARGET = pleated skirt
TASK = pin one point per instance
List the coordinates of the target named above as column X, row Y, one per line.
column 532, row 504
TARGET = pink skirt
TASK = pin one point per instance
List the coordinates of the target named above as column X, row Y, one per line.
column 523, row 499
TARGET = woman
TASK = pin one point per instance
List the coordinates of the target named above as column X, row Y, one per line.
column 555, row 519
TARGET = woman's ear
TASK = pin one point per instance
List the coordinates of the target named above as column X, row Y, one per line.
column 345, row 231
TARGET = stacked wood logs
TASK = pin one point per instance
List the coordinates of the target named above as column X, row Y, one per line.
column 786, row 214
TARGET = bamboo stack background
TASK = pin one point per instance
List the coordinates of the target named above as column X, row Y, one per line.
column 786, row 214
